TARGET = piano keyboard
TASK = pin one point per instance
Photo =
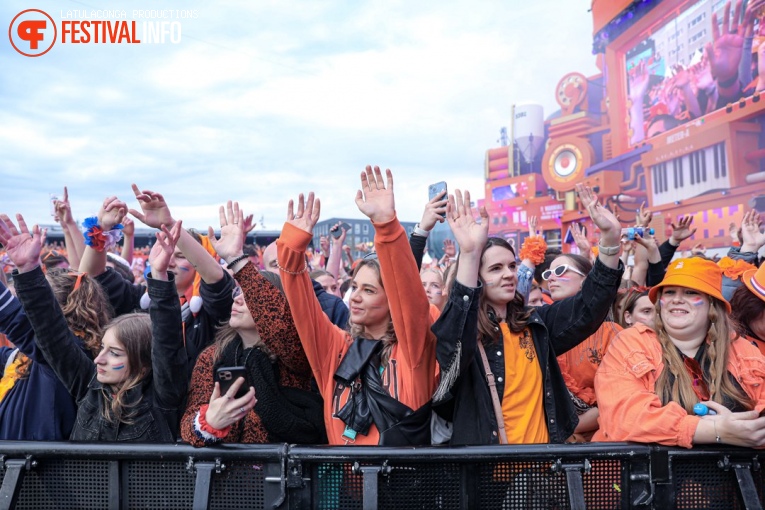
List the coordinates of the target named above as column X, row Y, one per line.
column 690, row 175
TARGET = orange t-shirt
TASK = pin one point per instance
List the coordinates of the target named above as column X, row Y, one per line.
column 522, row 401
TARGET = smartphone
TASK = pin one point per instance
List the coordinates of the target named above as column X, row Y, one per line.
column 436, row 189
column 227, row 376
column 336, row 233
column 53, row 200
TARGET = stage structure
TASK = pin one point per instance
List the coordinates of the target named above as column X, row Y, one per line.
column 674, row 118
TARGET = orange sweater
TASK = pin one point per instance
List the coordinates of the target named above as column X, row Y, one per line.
column 409, row 375
column 625, row 383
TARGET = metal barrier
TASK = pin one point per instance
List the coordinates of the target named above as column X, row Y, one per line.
column 593, row 476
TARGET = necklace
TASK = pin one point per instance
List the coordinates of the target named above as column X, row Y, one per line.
column 247, row 356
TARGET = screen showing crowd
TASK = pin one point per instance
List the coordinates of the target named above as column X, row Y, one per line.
column 693, row 64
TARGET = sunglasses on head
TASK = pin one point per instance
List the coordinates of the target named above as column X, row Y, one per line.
column 78, row 275
column 560, row 271
column 51, row 253
column 372, row 255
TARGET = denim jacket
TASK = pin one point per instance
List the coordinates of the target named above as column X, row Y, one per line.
column 156, row 418
column 463, row 395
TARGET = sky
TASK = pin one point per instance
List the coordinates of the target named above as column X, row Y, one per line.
column 261, row 100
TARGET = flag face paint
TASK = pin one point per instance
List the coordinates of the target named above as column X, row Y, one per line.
column 183, row 268
column 118, row 367
column 696, row 300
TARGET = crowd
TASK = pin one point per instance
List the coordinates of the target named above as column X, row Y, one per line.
column 209, row 340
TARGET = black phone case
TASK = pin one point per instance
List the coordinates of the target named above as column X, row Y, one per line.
column 226, row 376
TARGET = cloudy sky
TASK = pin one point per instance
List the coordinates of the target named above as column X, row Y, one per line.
column 263, row 99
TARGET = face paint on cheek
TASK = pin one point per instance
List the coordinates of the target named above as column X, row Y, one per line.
column 663, row 301
column 118, row 367
column 184, row 269
column 696, row 301
column 564, row 279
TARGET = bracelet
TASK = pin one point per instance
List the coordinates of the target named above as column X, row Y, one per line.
column 100, row 239
column 206, row 427
column 419, row 231
column 305, row 269
column 240, row 258
column 717, row 436
column 609, row 250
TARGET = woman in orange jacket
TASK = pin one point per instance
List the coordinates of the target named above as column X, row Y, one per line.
column 650, row 381
column 376, row 380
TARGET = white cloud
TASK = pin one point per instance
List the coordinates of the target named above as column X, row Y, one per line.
column 263, row 100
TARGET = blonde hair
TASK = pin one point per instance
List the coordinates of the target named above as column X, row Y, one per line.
column 389, row 338
column 718, row 341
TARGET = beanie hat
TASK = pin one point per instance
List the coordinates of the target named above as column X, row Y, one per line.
column 693, row 273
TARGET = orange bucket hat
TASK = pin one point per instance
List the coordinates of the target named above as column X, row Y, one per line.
column 693, row 273
column 754, row 279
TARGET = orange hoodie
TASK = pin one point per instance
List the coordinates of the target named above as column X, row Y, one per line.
column 409, row 375
column 625, row 383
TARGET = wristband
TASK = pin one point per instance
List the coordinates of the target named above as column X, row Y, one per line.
column 100, row 239
column 609, row 250
column 206, row 427
column 240, row 258
column 420, row 232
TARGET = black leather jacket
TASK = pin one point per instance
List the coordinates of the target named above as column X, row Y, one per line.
column 555, row 328
column 156, row 417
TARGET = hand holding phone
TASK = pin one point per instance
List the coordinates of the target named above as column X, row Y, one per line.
column 435, row 190
column 337, row 232
column 227, row 376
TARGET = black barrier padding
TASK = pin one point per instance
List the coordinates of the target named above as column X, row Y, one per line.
column 701, row 483
column 55, row 484
column 407, row 486
column 525, row 485
column 238, row 486
column 159, row 485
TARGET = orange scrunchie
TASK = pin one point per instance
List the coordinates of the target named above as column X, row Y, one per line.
column 534, row 248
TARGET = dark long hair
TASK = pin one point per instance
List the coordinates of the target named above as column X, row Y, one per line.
column 517, row 313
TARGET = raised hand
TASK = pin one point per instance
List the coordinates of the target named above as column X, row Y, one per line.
column 154, row 210
column 681, row 230
column 63, row 209
column 340, row 240
column 726, row 48
column 111, row 213
column 471, row 235
column 435, row 211
column 375, row 199
column 22, row 246
column 231, row 242
column 450, row 248
column 643, row 217
column 606, row 221
column 128, row 227
column 532, row 225
column 580, row 239
column 307, row 215
column 163, row 249
column 750, row 231
column 638, row 78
